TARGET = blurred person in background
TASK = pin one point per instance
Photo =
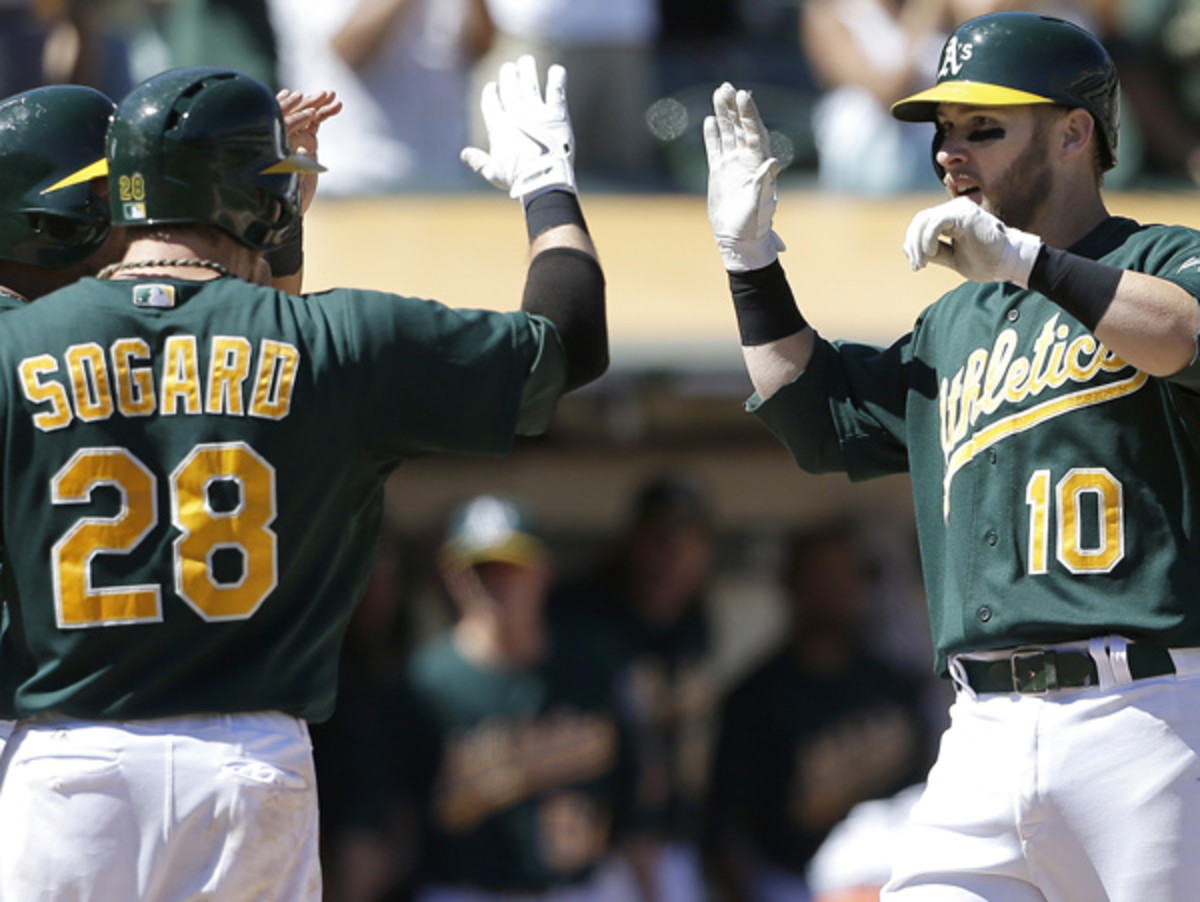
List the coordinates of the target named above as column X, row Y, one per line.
column 402, row 67
column 642, row 615
column 44, row 42
column 234, row 34
column 819, row 726
column 501, row 769
column 608, row 46
column 867, row 54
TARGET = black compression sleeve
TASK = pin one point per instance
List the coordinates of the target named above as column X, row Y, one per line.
column 1082, row 287
column 566, row 286
column 765, row 307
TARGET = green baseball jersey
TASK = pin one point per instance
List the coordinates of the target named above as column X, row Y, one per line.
column 1055, row 486
column 798, row 749
column 518, row 775
column 665, row 682
column 193, row 477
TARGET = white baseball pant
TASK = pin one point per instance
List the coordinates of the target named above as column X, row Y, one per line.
column 212, row 807
column 1075, row 795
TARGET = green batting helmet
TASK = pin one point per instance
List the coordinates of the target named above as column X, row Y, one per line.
column 51, row 145
column 205, row 145
column 1006, row 59
column 491, row 529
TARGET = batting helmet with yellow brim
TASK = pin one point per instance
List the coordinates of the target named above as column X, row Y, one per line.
column 1017, row 58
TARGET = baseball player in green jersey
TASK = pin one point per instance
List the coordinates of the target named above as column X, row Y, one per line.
column 193, row 468
column 1046, row 411
column 818, row 726
column 49, row 236
column 641, row 613
column 54, row 218
column 508, row 749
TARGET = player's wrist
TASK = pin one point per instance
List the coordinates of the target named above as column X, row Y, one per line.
column 765, row 306
column 1082, row 287
column 545, row 173
column 552, row 207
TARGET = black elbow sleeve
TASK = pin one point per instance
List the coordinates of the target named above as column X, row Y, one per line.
column 566, row 286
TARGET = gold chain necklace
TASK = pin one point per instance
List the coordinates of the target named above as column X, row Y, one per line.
column 109, row 271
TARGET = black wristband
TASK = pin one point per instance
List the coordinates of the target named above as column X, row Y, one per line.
column 288, row 258
column 1082, row 287
column 552, row 208
column 765, row 307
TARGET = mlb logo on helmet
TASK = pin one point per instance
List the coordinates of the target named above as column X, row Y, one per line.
column 134, row 210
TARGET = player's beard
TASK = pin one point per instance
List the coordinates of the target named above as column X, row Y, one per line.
column 1020, row 193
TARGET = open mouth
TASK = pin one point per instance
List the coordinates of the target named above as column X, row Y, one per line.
column 965, row 188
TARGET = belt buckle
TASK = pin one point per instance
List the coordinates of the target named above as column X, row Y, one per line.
column 1037, row 678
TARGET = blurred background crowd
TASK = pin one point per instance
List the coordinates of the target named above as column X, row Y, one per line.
column 712, row 700
column 642, row 73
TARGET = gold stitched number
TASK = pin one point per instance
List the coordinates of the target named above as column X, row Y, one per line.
column 1078, row 491
column 78, row 603
column 222, row 503
column 241, row 530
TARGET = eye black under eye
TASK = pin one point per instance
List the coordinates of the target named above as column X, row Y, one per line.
column 986, row 134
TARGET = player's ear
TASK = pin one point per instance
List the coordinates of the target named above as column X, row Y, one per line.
column 1076, row 129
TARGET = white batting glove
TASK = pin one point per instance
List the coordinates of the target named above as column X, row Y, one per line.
column 980, row 247
column 531, row 144
column 741, row 181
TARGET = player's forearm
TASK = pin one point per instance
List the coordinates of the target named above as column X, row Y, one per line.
column 1151, row 324
column 773, row 365
column 566, row 284
column 1147, row 321
column 776, row 342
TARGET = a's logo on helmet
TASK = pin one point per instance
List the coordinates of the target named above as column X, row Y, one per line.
column 953, row 57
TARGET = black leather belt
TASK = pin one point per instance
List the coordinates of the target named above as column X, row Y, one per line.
column 1040, row 670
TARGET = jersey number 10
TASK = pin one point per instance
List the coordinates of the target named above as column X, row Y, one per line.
column 1082, row 516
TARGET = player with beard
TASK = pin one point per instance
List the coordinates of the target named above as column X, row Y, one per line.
column 1046, row 411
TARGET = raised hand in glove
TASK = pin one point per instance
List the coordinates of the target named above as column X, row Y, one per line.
column 980, row 247
column 531, row 145
column 741, row 181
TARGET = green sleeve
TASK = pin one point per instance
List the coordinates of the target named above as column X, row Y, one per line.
column 846, row 412
column 546, row 379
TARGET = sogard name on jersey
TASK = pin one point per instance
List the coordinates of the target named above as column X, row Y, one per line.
column 89, row 384
column 995, row 377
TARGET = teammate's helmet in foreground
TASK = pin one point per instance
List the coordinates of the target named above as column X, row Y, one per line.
column 490, row 528
column 1011, row 58
column 205, row 145
column 47, row 135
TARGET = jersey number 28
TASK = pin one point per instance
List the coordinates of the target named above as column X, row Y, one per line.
column 240, row 527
